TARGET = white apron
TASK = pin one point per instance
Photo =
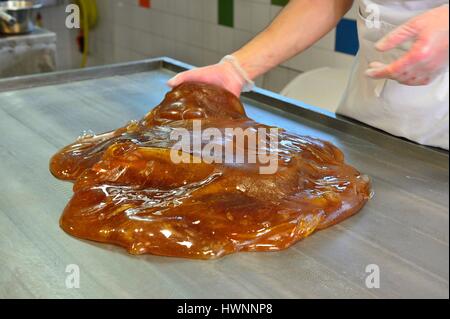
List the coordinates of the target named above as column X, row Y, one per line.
column 418, row 113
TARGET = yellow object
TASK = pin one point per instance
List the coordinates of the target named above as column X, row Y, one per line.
column 89, row 17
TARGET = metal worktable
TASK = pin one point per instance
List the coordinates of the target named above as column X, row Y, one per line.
column 404, row 229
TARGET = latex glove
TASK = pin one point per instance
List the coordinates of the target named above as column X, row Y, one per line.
column 226, row 74
column 428, row 55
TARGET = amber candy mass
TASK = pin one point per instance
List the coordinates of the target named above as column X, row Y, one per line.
column 128, row 191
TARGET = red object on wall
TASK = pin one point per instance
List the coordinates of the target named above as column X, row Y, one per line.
column 145, row 3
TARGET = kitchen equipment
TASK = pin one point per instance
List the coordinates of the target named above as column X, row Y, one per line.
column 16, row 17
column 403, row 230
column 10, row 20
column 27, row 53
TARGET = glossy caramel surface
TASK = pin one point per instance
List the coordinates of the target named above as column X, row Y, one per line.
column 128, row 191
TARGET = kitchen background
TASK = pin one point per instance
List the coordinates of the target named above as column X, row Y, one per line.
column 199, row 32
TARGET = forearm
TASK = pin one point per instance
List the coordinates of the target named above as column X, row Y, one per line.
column 300, row 24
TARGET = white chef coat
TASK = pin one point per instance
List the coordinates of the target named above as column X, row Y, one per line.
column 418, row 113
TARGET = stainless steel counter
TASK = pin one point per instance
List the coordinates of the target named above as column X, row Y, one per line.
column 404, row 229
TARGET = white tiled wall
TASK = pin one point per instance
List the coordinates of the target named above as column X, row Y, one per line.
column 186, row 30
column 53, row 18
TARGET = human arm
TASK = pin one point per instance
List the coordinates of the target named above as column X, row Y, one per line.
column 428, row 54
column 299, row 25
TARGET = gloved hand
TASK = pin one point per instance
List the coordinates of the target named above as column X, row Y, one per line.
column 226, row 74
column 428, row 55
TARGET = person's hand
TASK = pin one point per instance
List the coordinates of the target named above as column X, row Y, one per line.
column 223, row 74
column 428, row 55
